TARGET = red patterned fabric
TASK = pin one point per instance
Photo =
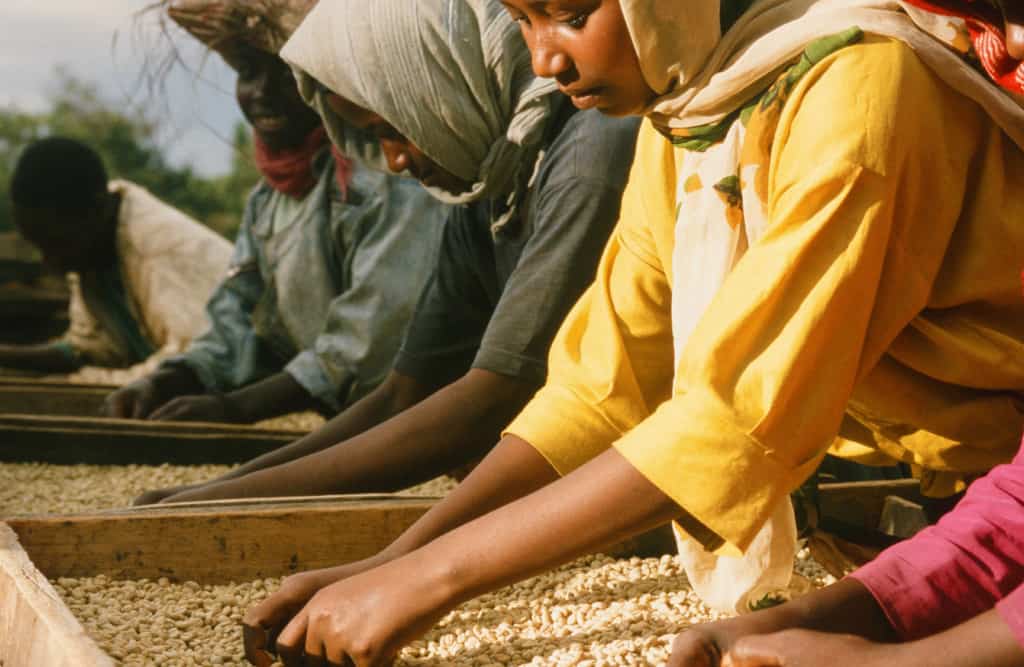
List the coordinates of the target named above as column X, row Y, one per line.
column 290, row 172
column 985, row 25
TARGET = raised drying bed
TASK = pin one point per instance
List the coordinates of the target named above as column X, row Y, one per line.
column 97, row 440
column 217, row 542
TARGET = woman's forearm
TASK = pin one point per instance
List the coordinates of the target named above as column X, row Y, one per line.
column 271, row 397
column 455, row 426
column 984, row 641
column 512, row 470
column 382, row 403
column 846, row 607
column 603, row 502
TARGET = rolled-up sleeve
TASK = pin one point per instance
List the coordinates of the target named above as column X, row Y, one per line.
column 972, row 560
column 607, row 363
column 762, row 384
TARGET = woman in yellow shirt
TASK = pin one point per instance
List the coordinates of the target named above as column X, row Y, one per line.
column 820, row 245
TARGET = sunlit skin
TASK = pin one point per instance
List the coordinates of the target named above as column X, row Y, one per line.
column 401, row 154
column 513, row 516
column 585, row 47
column 841, row 625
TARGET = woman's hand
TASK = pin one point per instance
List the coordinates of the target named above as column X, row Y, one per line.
column 705, row 645
column 365, row 618
column 159, row 495
column 806, row 648
column 200, row 408
column 264, row 622
column 845, row 609
column 133, row 401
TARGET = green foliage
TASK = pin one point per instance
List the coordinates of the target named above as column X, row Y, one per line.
column 126, row 140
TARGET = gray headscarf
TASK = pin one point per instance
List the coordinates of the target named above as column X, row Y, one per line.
column 452, row 76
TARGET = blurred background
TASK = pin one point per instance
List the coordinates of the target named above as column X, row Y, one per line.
column 101, row 71
column 157, row 107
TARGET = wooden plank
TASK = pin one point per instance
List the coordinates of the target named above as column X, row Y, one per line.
column 31, row 399
column 7, row 380
column 36, row 628
column 860, row 504
column 96, row 440
column 232, row 540
column 216, row 542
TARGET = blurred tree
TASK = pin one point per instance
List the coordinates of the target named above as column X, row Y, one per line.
column 127, row 142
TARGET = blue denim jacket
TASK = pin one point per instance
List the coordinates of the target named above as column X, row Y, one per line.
column 324, row 297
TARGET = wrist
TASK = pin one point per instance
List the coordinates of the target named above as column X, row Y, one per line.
column 443, row 584
column 232, row 408
column 906, row 654
column 176, row 380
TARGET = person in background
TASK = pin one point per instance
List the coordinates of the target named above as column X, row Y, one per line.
column 328, row 263
column 808, row 256
column 139, row 271
column 539, row 186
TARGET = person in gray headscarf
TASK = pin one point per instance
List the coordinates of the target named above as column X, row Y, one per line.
column 327, row 265
column 443, row 89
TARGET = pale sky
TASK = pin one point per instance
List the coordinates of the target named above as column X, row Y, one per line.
column 98, row 41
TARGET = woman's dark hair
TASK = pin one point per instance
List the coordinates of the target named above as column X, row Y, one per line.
column 57, row 172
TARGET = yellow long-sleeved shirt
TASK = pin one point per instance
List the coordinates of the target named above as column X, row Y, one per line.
column 881, row 311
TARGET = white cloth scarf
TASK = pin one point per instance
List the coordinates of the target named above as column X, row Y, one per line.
column 452, row 76
column 701, row 77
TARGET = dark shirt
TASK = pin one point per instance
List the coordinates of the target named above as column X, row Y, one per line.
column 496, row 300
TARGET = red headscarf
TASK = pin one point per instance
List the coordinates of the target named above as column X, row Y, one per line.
column 985, row 25
column 290, row 171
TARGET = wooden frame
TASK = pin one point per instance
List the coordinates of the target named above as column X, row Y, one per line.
column 860, row 503
column 217, row 541
column 222, row 541
column 97, row 440
column 41, row 397
column 36, row 628
column 210, row 542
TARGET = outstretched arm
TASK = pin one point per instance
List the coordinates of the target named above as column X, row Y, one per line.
column 984, row 641
column 276, row 395
column 453, row 427
column 507, row 521
column 846, row 608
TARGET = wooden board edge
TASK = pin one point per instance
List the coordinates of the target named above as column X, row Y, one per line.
column 222, row 541
column 28, row 422
column 860, row 503
column 36, row 627
column 42, row 382
column 215, row 544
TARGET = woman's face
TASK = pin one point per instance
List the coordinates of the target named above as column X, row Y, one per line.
column 270, row 100
column 584, row 45
column 400, row 153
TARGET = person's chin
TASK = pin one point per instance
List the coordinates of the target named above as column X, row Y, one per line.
column 451, row 187
column 621, row 108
